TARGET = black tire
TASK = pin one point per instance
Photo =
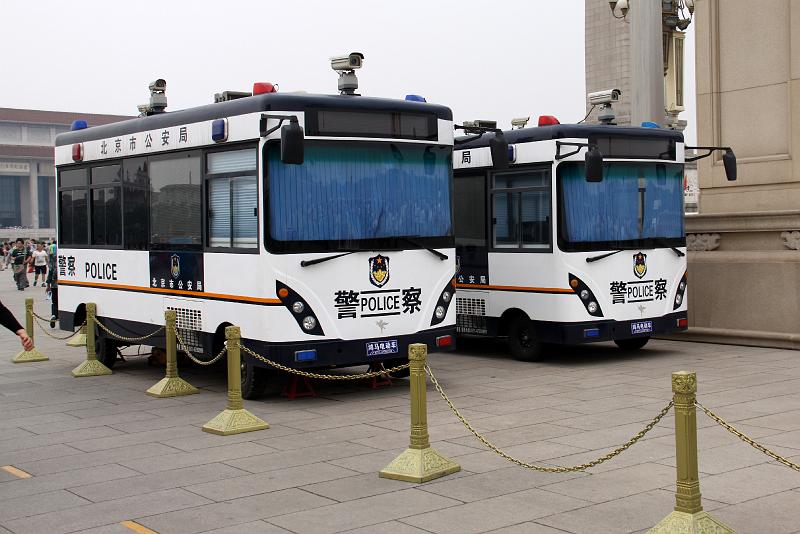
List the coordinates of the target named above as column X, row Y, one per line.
column 522, row 341
column 405, row 373
column 634, row 343
column 254, row 381
column 107, row 351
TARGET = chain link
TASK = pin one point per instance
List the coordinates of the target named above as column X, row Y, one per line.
column 36, row 320
column 359, row 376
column 546, row 468
column 189, row 354
column 134, row 340
column 750, row 441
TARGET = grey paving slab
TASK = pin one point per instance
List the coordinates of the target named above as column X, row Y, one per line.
column 63, row 480
column 776, row 514
column 236, row 512
column 120, row 439
column 141, row 484
column 284, row 459
column 278, row 479
column 93, row 515
column 79, row 460
column 173, row 459
column 254, row 527
column 390, row 527
column 363, row 512
column 356, row 487
column 494, row 513
column 734, row 487
column 30, row 505
column 34, row 441
column 616, row 484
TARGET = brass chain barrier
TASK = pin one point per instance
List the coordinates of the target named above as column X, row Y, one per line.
column 135, row 340
column 750, row 441
column 358, row 376
column 37, row 318
column 189, row 354
column 546, row 468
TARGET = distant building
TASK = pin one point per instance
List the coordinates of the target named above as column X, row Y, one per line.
column 27, row 174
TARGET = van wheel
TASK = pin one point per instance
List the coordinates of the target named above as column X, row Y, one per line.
column 634, row 343
column 522, row 341
column 254, row 381
column 107, row 350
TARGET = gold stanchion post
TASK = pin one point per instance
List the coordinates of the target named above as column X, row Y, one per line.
column 171, row 385
column 235, row 419
column 688, row 516
column 419, row 462
column 34, row 355
column 90, row 367
column 79, row 339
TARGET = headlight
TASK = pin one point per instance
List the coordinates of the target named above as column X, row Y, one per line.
column 446, row 296
column 585, row 294
column 298, row 307
column 439, row 312
column 682, row 286
column 592, row 307
column 309, row 323
column 678, row 299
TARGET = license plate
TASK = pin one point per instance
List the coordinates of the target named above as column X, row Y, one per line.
column 378, row 348
column 641, row 327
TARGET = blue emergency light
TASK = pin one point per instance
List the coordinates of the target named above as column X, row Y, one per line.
column 79, row 124
column 219, row 130
column 512, row 153
column 415, row 98
column 648, row 124
column 305, row 355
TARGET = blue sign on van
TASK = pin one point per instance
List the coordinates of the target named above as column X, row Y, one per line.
column 378, row 348
column 641, row 327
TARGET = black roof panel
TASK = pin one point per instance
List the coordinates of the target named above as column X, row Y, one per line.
column 573, row 131
column 252, row 104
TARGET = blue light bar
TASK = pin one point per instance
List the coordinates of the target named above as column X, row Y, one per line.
column 219, row 130
column 648, row 124
column 415, row 98
column 512, row 153
column 79, row 124
column 305, row 355
column 591, row 332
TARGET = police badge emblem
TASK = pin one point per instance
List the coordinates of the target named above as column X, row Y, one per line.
column 175, row 266
column 378, row 270
column 639, row 264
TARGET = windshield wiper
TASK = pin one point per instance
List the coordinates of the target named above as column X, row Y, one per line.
column 603, row 256
column 433, row 251
column 659, row 241
column 308, row 263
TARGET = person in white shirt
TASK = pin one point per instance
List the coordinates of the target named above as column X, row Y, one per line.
column 39, row 263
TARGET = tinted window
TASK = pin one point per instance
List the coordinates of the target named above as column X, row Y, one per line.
column 134, row 204
column 232, row 199
column 175, row 201
column 72, row 178
column 106, row 216
column 521, row 212
column 74, row 217
column 373, row 124
column 106, row 174
column 470, row 210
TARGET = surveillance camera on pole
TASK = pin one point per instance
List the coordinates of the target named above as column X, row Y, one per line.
column 346, row 66
column 158, row 98
column 605, row 99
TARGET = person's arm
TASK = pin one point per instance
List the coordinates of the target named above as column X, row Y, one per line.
column 8, row 320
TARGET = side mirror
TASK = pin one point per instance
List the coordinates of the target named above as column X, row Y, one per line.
column 729, row 161
column 498, row 146
column 292, row 143
column 594, row 165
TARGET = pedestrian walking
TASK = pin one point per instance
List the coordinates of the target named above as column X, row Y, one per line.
column 20, row 259
column 52, row 289
column 8, row 320
column 39, row 263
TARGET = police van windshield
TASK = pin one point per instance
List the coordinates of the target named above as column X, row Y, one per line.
column 360, row 196
column 637, row 205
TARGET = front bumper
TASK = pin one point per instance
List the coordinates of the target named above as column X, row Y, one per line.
column 593, row 331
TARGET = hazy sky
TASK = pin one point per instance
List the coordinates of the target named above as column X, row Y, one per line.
column 488, row 60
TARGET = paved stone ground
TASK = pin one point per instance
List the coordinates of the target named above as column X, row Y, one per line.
column 101, row 452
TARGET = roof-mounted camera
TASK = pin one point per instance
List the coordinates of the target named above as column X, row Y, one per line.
column 158, row 99
column 346, row 66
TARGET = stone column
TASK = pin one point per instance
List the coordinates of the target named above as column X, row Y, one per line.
column 33, row 186
column 647, row 63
